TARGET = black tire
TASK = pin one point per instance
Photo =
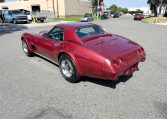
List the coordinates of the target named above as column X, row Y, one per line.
column 1, row 21
column 14, row 21
column 26, row 22
column 26, row 51
column 74, row 78
column 89, row 20
column 42, row 21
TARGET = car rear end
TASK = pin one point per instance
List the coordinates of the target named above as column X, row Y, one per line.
column 138, row 17
column 124, row 64
column 122, row 56
column 21, row 18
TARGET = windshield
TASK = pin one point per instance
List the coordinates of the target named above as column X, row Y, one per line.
column 89, row 31
column 87, row 15
column 16, row 12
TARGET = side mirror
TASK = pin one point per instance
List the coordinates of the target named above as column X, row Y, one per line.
column 45, row 35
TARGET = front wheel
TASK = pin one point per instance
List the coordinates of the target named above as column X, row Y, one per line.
column 42, row 20
column 1, row 21
column 68, row 69
column 14, row 21
column 26, row 49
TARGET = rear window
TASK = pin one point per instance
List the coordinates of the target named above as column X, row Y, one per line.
column 89, row 31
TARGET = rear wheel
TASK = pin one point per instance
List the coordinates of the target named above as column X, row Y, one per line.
column 42, row 20
column 68, row 69
column 26, row 49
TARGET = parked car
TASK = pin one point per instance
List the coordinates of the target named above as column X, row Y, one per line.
column 87, row 18
column 146, row 14
column 40, row 16
column 1, row 16
column 26, row 12
column 84, row 49
column 138, row 17
column 13, row 16
column 105, row 16
column 116, row 15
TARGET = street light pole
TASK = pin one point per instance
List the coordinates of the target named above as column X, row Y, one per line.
column 97, row 9
column 53, row 1
column 58, row 8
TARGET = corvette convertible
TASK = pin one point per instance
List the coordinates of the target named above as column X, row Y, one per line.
column 85, row 49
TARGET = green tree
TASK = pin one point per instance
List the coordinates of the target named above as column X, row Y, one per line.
column 124, row 10
column 161, row 4
column 138, row 11
column 114, row 8
column 154, row 4
column 95, row 4
column 119, row 9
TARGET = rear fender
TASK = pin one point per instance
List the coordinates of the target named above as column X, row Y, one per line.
column 74, row 60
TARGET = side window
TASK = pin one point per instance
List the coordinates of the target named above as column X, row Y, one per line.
column 6, row 12
column 56, row 34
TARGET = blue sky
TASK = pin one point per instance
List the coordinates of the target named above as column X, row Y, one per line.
column 126, row 3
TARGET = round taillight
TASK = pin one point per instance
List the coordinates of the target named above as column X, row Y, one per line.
column 139, row 51
column 116, row 63
column 120, row 60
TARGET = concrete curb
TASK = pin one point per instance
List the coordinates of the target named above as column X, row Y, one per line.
column 164, row 24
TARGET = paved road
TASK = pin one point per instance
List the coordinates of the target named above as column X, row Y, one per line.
column 33, row 88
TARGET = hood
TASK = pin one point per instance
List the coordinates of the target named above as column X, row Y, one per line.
column 110, row 46
column 42, row 32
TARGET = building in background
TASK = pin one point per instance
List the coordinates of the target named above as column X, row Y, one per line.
column 145, row 10
column 61, row 8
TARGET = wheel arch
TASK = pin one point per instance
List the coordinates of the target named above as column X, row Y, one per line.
column 73, row 59
column 23, row 37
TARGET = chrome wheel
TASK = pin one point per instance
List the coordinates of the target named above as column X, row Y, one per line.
column 25, row 47
column 66, row 68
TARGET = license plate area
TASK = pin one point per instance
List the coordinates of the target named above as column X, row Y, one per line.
column 132, row 69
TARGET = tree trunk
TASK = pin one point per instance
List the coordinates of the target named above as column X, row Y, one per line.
column 165, row 15
column 53, row 2
column 155, row 10
column 57, row 8
column 160, row 9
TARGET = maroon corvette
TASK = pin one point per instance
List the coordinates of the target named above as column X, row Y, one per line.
column 138, row 17
column 82, row 49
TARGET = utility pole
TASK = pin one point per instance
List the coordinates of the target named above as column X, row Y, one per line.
column 58, row 8
column 97, row 12
column 53, row 1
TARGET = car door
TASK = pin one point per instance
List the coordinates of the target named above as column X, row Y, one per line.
column 7, row 16
column 49, row 45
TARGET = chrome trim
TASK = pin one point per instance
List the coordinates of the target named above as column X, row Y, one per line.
column 66, row 68
column 47, row 58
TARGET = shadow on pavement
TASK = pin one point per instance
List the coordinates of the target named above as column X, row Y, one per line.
column 48, row 113
column 10, row 28
column 107, row 83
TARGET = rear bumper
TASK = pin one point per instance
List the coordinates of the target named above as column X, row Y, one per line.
column 84, row 20
column 137, row 18
column 128, row 70
column 115, row 76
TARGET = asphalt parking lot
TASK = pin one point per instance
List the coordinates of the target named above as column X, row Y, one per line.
column 33, row 88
